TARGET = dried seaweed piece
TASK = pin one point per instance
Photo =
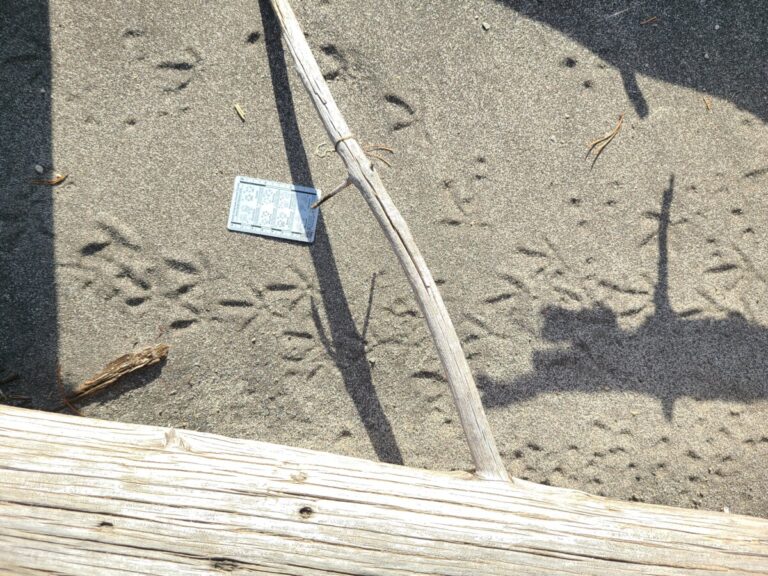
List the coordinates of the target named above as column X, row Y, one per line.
column 596, row 147
column 118, row 368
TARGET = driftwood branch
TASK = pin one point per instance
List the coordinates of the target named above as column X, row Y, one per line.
column 365, row 177
column 118, row 368
column 86, row 497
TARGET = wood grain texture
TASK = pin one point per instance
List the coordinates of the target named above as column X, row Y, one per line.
column 88, row 497
column 364, row 176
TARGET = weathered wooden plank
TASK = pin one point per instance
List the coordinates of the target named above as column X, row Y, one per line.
column 81, row 496
column 363, row 174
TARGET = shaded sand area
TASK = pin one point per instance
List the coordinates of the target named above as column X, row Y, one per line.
column 614, row 315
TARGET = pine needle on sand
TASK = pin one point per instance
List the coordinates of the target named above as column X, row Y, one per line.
column 596, row 147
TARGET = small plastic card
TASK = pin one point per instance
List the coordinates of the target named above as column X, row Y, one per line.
column 273, row 209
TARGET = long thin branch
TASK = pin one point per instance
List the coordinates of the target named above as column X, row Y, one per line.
column 364, row 176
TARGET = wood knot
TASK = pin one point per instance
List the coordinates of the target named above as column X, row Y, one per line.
column 306, row 512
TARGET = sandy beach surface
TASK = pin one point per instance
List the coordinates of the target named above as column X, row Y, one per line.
column 614, row 314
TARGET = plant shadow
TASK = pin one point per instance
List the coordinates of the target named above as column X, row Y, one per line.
column 669, row 356
column 345, row 344
column 720, row 49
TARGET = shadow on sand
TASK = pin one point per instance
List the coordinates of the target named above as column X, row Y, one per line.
column 28, row 326
column 346, row 345
column 719, row 48
column 668, row 357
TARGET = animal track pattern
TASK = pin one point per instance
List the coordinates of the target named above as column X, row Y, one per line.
column 515, row 294
column 116, row 266
column 173, row 67
column 339, row 64
column 177, row 71
column 403, row 113
column 333, row 61
column 273, row 308
column 461, row 192
column 546, row 266
column 633, row 472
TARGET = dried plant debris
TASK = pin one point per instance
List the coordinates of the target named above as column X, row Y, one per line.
column 596, row 147
column 14, row 399
column 324, row 149
column 371, row 150
column 55, row 181
column 118, row 368
column 332, row 193
column 707, row 103
column 7, row 378
column 62, row 392
column 240, row 112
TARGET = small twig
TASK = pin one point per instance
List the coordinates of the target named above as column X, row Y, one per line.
column 330, row 195
column 377, row 157
column 597, row 146
column 240, row 112
column 707, row 103
column 118, row 368
column 21, row 400
column 325, row 149
column 8, row 379
column 361, row 171
column 381, row 147
column 367, row 317
column 619, row 13
column 650, row 20
column 370, row 150
column 324, row 339
column 63, row 393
